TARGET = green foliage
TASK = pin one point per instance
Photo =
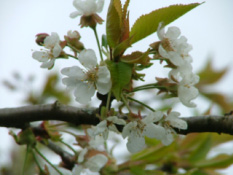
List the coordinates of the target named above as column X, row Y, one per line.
column 148, row 24
column 121, row 76
column 191, row 154
column 113, row 24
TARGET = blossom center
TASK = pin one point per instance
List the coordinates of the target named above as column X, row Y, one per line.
column 167, row 44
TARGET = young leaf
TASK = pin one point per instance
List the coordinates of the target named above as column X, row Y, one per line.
column 148, row 24
column 121, row 75
column 120, row 48
column 113, row 24
column 137, row 57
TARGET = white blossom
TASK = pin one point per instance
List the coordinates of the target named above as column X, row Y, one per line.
column 73, row 34
column 137, row 130
column 87, row 7
column 172, row 120
column 107, row 125
column 94, row 164
column 176, row 49
column 47, row 57
column 86, row 81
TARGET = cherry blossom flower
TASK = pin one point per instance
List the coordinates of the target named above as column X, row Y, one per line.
column 94, row 164
column 173, row 47
column 186, row 80
column 138, row 129
column 107, row 125
column 87, row 7
column 47, row 57
column 172, row 120
column 86, row 81
column 176, row 49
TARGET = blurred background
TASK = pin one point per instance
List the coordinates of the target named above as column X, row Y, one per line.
column 208, row 28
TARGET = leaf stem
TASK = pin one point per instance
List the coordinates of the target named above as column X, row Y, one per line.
column 108, row 100
column 125, row 102
column 72, row 56
column 25, row 160
column 70, row 147
column 143, row 104
column 38, row 164
column 54, row 167
column 98, row 43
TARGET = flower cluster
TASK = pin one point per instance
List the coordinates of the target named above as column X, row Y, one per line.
column 113, row 78
column 53, row 50
column 176, row 49
column 86, row 81
column 137, row 130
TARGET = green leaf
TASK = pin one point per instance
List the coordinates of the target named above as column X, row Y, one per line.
column 210, row 76
column 120, row 48
column 121, row 75
column 113, row 24
column 104, row 41
column 148, row 24
column 202, row 150
column 218, row 162
column 137, row 57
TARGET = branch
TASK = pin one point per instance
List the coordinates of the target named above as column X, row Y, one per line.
column 22, row 116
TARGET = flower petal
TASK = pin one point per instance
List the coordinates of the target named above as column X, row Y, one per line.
column 103, row 83
column 186, row 94
column 88, row 58
column 84, row 92
column 57, row 50
column 96, row 162
column 49, row 64
column 74, row 71
column 40, row 56
column 75, row 14
column 136, row 142
column 154, row 131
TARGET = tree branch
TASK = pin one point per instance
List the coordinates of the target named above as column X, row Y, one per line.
column 22, row 116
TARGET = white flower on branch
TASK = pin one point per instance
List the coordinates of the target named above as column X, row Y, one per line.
column 94, row 164
column 138, row 129
column 107, row 125
column 176, row 49
column 170, row 121
column 86, row 81
column 87, row 7
column 47, row 57
column 186, row 80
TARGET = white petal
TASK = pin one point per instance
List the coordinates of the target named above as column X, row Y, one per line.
column 136, row 142
column 84, row 92
column 154, row 131
column 74, row 71
column 40, row 56
column 88, row 58
column 160, row 31
column 186, row 94
column 57, row 50
column 101, row 127
column 48, row 64
column 116, row 120
column 152, row 117
column 51, row 40
column 82, row 154
column 103, row 83
column 96, row 162
column 77, row 170
column 172, row 33
column 100, row 5
column 128, row 128
column 70, row 82
column 75, row 14
column 168, row 139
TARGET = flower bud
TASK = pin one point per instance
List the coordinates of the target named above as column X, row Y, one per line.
column 40, row 37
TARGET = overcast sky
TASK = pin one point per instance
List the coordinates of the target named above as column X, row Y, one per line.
column 209, row 29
